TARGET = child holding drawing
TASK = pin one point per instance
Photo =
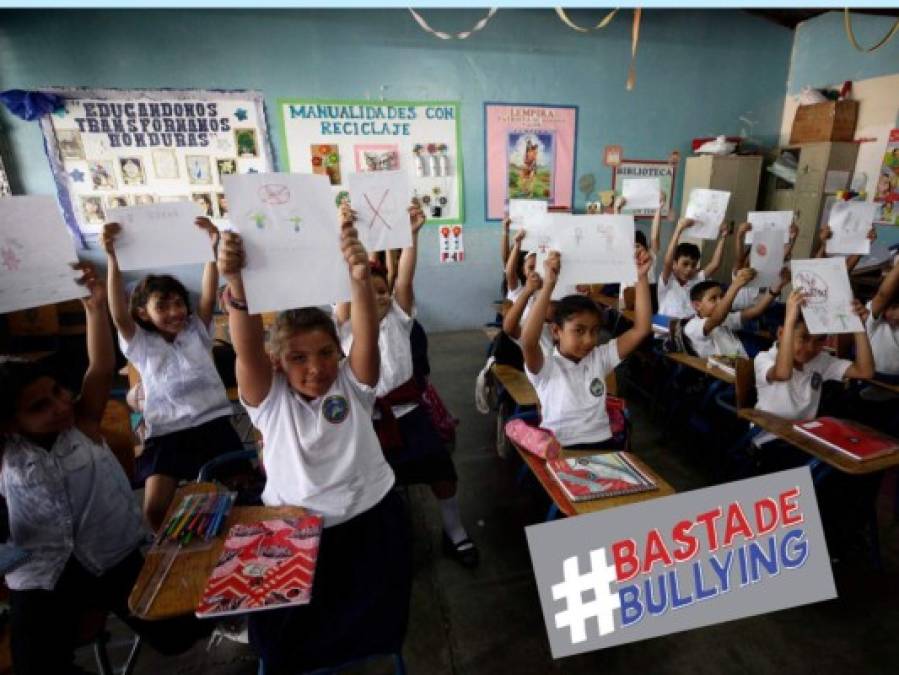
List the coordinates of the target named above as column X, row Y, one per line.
column 314, row 410
column 411, row 443
column 571, row 379
column 70, row 507
column 187, row 413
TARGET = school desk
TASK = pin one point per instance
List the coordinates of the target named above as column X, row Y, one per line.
column 183, row 587
column 783, row 428
column 517, row 384
column 701, row 365
column 569, row 508
column 880, row 384
column 609, row 301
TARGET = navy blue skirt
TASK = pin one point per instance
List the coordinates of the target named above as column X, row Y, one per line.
column 423, row 459
column 180, row 454
column 360, row 597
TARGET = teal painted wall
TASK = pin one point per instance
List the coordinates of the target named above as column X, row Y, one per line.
column 823, row 54
column 698, row 72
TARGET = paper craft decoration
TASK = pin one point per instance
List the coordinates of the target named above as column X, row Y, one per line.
column 663, row 170
column 530, row 154
column 707, row 208
column 850, row 222
column 766, row 258
column 422, row 138
column 157, row 235
column 381, row 201
column 769, row 220
column 265, row 565
column 886, row 192
column 596, row 476
column 290, row 230
column 640, row 193
column 594, row 249
column 452, row 245
column 828, row 305
column 35, row 254
column 147, row 146
column 526, row 213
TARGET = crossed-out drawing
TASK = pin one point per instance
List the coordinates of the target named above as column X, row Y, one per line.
column 813, row 286
column 376, row 211
column 272, row 193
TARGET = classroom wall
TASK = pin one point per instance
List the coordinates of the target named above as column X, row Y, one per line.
column 824, row 57
column 698, row 74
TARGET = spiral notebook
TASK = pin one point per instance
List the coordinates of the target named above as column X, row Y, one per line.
column 596, row 476
column 269, row 564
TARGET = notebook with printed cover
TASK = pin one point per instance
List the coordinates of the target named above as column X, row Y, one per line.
column 726, row 363
column 853, row 440
column 595, row 476
column 265, row 565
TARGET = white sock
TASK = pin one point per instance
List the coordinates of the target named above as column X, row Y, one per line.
column 452, row 519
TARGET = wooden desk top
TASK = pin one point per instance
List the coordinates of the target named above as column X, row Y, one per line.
column 702, row 366
column 517, row 384
column 880, row 384
column 569, row 508
column 183, row 587
column 783, row 428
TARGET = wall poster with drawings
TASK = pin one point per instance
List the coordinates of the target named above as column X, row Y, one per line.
column 340, row 137
column 110, row 148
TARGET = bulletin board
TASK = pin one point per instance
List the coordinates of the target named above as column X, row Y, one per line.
column 123, row 147
column 339, row 137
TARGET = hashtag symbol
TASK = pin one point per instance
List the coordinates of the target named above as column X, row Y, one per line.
column 602, row 607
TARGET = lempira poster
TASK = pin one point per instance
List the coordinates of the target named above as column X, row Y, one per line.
column 336, row 138
column 530, row 154
column 126, row 147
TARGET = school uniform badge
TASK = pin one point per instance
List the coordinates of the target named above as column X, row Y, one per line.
column 335, row 409
column 597, row 387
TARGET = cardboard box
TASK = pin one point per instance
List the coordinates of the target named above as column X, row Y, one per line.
column 828, row 121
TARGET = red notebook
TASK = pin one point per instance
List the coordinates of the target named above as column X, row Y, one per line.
column 595, row 476
column 855, row 441
column 264, row 565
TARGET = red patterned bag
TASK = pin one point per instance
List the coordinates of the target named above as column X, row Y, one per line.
column 441, row 417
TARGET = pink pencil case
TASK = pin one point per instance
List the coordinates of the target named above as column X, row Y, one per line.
column 536, row 440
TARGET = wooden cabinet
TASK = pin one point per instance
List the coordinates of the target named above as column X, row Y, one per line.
column 807, row 197
column 738, row 174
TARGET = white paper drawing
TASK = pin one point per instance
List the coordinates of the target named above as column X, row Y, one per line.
column 641, row 193
column 707, row 208
column 35, row 254
column 162, row 234
column 766, row 258
column 594, row 248
column 769, row 220
column 381, row 200
column 828, row 305
column 850, row 223
column 291, row 233
column 526, row 213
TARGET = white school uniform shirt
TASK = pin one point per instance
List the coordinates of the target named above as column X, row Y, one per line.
column 798, row 397
column 674, row 299
column 721, row 340
column 573, row 395
column 181, row 385
column 513, row 294
column 395, row 348
column 71, row 500
column 884, row 344
column 746, row 297
column 546, row 333
column 322, row 454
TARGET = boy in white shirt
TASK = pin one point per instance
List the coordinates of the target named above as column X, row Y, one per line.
column 789, row 378
column 882, row 324
column 570, row 381
column 680, row 271
column 711, row 331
